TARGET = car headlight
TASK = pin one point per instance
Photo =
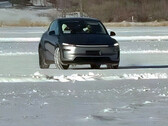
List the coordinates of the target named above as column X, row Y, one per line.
column 116, row 44
column 66, row 44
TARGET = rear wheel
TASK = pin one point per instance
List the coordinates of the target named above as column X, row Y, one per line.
column 42, row 63
column 57, row 60
column 110, row 66
column 95, row 66
column 115, row 67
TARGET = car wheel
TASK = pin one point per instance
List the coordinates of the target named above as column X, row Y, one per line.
column 115, row 67
column 42, row 63
column 110, row 66
column 57, row 60
column 95, row 66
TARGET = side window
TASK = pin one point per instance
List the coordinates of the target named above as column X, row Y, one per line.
column 54, row 27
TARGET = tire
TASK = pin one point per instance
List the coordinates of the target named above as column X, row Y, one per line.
column 110, row 66
column 57, row 60
column 115, row 66
column 95, row 66
column 42, row 63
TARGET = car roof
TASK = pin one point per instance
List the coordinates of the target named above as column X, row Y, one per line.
column 77, row 18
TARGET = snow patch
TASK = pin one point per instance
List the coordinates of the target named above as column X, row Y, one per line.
column 88, row 117
column 35, row 39
column 135, row 38
column 146, row 76
column 145, row 52
column 72, row 78
column 147, row 102
column 17, row 53
column 107, row 110
column 39, row 77
column 4, row 100
column 162, row 95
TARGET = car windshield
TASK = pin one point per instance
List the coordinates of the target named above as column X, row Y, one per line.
column 82, row 27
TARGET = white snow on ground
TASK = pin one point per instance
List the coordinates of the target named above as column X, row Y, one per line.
column 156, row 51
column 122, row 52
column 137, row 38
column 35, row 39
column 118, row 38
column 5, row 4
column 16, row 16
column 17, row 53
column 93, row 77
column 38, row 77
column 21, row 32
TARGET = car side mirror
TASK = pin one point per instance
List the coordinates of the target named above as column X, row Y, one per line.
column 112, row 33
column 52, row 33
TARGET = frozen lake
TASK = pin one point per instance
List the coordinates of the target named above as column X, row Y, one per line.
column 134, row 95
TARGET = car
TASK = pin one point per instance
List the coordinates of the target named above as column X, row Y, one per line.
column 73, row 41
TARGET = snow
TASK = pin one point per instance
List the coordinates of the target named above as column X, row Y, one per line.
column 96, row 77
column 36, row 39
column 82, row 104
column 16, row 53
column 132, row 95
column 156, row 51
column 5, row 4
column 136, row 38
column 39, row 77
column 147, row 102
column 24, row 16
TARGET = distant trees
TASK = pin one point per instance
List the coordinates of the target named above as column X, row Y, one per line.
column 127, row 10
column 109, row 10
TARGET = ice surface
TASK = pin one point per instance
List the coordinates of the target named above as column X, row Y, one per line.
column 132, row 95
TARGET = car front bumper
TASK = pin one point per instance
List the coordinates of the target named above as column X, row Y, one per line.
column 90, row 54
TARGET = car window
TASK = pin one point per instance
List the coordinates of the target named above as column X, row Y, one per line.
column 54, row 27
column 82, row 27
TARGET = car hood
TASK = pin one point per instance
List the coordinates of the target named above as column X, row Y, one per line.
column 84, row 39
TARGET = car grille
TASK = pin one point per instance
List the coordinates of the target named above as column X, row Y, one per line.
column 92, row 46
column 92, row 59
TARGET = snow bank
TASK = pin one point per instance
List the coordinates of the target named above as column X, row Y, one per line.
column 25, row 17
column 39, row 77
column 93, row 77
column 71, row 78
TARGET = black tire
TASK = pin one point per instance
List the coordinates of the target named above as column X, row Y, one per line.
column 115, row 66
column 110, row 66
column 95, row 66
column 42, row 63
column 57, row 60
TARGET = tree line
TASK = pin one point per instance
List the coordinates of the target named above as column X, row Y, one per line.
column 110, row 10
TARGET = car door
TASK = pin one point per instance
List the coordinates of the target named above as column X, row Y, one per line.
column 51, row 40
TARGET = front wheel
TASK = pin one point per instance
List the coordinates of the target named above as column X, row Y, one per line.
column 110, row 66
column 57, row 60
column 115, row 67
column 95, row 66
